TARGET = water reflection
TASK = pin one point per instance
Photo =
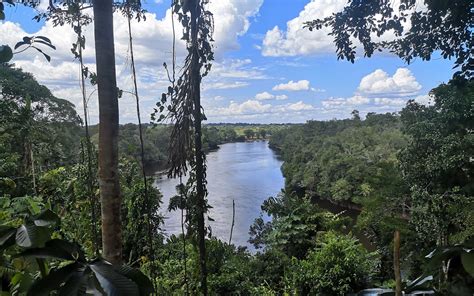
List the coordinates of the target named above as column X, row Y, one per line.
column 248, row 173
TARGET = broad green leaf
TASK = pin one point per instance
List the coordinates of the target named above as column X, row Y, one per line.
column 21, row 282
column 437, row 256
column 76, row 285
column 6, row 53
column 53, row 281
column 6, row 234
column 28, row 236
column 56, row 248
column 45, row 43
column 112, row 282
column 18, row 44
column 34, row 205
column 467, row 259
column 46, row 39
column 419, row 283
column 144, row 284
column 48, row 58
column 46, row 218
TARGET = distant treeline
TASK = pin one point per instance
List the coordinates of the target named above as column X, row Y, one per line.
column 410, row 171
column 156, row 139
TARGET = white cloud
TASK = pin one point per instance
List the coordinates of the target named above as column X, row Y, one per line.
column 152, row 47
column 297, row 40
column 378, row 83
column 232, row 19
column 390, row 102
column 358, row 100
column 264, row 96
column 222, row 85
column 299, row 106
column 253, row 107
column 232, row 73
column 293, row 85
column 344, row 102
column 247, row 107
column 268, row 96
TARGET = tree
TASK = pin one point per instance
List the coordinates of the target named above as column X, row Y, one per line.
column 340, row 265
column 185, row 111
column 108, row 132
column 33, row 122
column 443, row 26
column 437, row 163
column 249, row 133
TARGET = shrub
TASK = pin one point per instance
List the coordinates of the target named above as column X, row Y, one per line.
column 339, row 265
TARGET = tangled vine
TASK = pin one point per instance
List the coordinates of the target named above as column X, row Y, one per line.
column 181, row 105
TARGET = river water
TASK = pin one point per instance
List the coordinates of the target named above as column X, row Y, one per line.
column 246, row 172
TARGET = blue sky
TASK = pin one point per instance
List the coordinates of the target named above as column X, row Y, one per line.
column 268, row 68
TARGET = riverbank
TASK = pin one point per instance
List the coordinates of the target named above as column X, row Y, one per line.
column 244, row 172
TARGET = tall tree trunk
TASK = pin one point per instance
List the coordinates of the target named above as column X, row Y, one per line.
column 108, row 132
column 200, row 189
column 396, row 263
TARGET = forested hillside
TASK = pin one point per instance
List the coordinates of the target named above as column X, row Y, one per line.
column 394, row 168
column 411, row 172
column 81, row 207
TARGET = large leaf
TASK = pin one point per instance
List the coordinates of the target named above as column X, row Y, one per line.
column 45, row 43
column 144, row 284
column 440, row 254
column 6, row 53
column 45, row 39
column 19, row 44
column 54, row 280
column 421, row 283
column 467, row 259
column 48, row 58
column 76, row 284
column 28, row 236
column 7, row 236
column 56, row 248
column 46, row 218
column 112, row 282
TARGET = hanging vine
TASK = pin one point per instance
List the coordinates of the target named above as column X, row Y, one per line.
column 71, row 13
column 181, row 105
column 132, row 9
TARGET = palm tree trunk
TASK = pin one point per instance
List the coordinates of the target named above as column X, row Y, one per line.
column 108, row 132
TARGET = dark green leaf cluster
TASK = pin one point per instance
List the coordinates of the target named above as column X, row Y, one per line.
column 443, row 26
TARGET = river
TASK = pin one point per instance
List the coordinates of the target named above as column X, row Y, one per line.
column 247, row 172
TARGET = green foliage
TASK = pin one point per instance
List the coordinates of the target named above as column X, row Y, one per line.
column 213, row 136
column 229, row 269
column 437, row 163
column 38, row 131
column 339, row 265
column 443, row 26
column 337, row 160
column 6, row 53
column 67, row 190
column 135, row 208
column 156, row 139
column 76, row 275
column 296, row 223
